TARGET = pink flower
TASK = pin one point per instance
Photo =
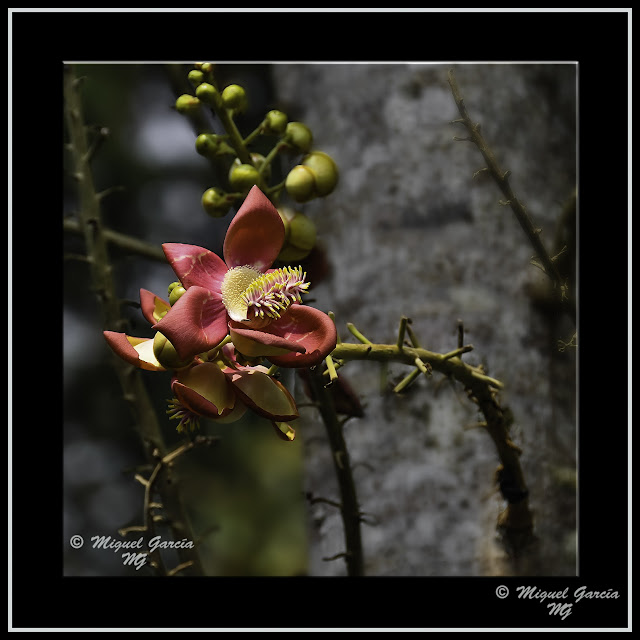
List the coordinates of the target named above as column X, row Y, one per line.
column 241, row 296
column 219, row 389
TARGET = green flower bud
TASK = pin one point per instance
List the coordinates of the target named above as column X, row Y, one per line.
column 298, row 136
column 242, row 177
column 234, row 97
column 258, row 160
column 166, row 354
column 210, row 145
column 300, row 183
column 195, row 77
column 206, row 92
column 275, row 121
column 216, row 202
column 324, row 169
column 176, row 293
column 173, row 285
column 187, row 104
column 286, row 214
column 300, row 235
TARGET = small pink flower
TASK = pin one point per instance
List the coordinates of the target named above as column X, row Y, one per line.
column 243, row 297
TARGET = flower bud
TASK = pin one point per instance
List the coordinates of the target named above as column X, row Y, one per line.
column 210, row 145
column 298, row 136
column 300, row 235
column 324, row 170
column 300, row 183
column 242, row 177
column 166, row 354
column 275, row 121
column 176, row 292
column 206, row 92
column 216, row 202
column 258, row 160
column 195, row 77
column 187, row 104
column 234, row 97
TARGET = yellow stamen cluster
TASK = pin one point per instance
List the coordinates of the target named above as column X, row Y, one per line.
column 273, row 293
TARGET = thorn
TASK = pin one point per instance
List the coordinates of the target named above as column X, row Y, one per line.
column 337, row 556
column 479, row 171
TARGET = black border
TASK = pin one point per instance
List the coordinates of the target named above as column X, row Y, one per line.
column 598, row 41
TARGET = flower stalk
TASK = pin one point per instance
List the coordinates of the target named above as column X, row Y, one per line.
column 349, row 508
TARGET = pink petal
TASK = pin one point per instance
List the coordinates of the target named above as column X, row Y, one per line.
column 254, row 343
column 195, row 266
column 305, row 327
column 256, row 233
column 197, row 322
column 135, row 351
column 263, row 394
column 153, row 307
column 205, row 390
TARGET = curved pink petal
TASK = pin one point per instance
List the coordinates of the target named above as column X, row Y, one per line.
column 205, row 390
column 197, row 322
column 308, row 328
column 153, row 307
column 135, row 351
column 263, row 394
column 195, row 266
column 255, row 235
column 254, row 343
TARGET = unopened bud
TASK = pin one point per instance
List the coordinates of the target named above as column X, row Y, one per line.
column 210, row 145
column 300, row 183
column 187, row 104
column 216, row 202
column 275, row 121
column 166, row 353
column 195, row 77
column 298, row 136
column 242, row 177
column 176, row 293
column 324, row 170
column 300, row 235
column 234, row 97
column 206, row 92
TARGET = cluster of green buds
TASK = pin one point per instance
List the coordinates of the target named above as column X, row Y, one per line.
column 314, row 176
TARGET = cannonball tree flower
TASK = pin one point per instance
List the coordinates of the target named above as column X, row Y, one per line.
column 220, row 389
column 241, row 296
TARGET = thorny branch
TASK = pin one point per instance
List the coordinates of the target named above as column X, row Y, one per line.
column 132, row 385
column 547, row 263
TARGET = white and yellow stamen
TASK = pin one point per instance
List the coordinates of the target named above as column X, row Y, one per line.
column 260, row 298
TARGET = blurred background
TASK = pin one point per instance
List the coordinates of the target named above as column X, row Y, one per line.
column 408, row 231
